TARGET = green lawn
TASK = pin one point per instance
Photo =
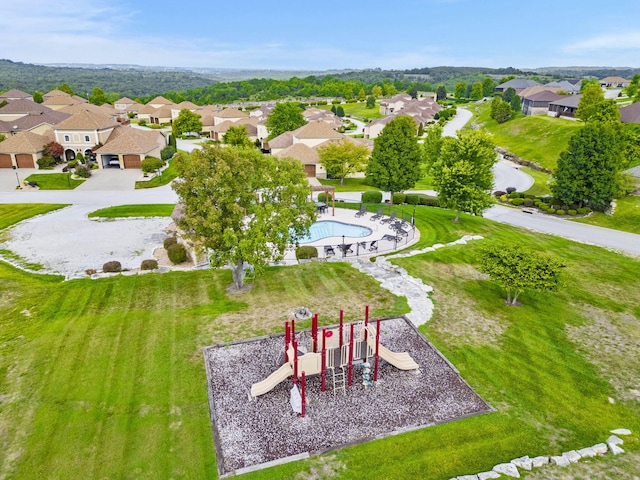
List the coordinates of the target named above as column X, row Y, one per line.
column 142, row 210
column 54, row 181
column 358, row 110
column 626, row 216
column 166, row 177
column 540, row 179
column 538, row 138
column 105, row 379
column 350, row 185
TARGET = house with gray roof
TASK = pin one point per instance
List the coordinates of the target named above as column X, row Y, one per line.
column 630, row 113
column 564, row 107
column 538, row 103
column 518, row 84
column 15, row 94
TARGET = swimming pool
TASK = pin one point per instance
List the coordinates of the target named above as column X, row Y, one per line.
column 330, row 228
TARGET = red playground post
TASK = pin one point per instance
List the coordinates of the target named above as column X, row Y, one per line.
column 323, row 364
column 350, row 368
column 341, row 320
column 375, row 368
column 303, row 400
column 287, row 339
column 293, row 329
column 314, row 332
column 295, row 362
column 366, row 322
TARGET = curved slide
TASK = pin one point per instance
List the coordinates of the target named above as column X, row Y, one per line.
column 269, row 383
column 400, row 360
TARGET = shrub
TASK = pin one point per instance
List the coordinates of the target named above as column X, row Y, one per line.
column 112, row 267
column 560, row 212
column 72, row 163
column 572, row 212
column 503, row 198
column 323, row 196
column 583, row 210
column 177, row 253
column 167, row 152
column 169, row 241
column 155, row 126
column 46, row 163
column 513, row 195
column 551, row 211
column 517, row 201
column 499, row 193
column 544, row 207
column 151, row 264
column 413, row 199
column 80, row 157
column 151, row 164
column 399, row 198
column 429, row 201
column 306, row 251
column 371, row 197
column 142, row 123
column 510, row 190
column 83, row 171
column 527, row 202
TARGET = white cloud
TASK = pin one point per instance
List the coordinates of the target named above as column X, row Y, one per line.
column 611, row 41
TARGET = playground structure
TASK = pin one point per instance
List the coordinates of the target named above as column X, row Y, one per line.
column 335, row 352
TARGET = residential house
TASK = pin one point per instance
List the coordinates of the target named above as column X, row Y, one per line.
column 250, row 123
column 59, row 102
column 176, row 109
column 538, row 103
column 15, row 94
column 630, row 113
column 518, row 84
column 395, row 103
column 374, row 128
column 564, row 107
column 566, row 86
column 145, row 112
column 22, row 150
column 159, row 101
column 16, row 109
column 162, row 115
column 83, row 131
column 614, row 82
column 228, row 114
column 127, row 146
column 306, row 155
column 39, row 123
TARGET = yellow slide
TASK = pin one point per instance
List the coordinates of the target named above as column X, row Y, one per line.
column 269, row 383
column 400, row 360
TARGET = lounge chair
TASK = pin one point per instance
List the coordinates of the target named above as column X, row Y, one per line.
column 328, row 251
column 346, row 248
column 374, row 246
column 391, row 238
column 401, row 232
column 362, row 211
column 389, row 219
column 378, row 215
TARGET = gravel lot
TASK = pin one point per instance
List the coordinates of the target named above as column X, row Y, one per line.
column 67, row 242
column 249, row 433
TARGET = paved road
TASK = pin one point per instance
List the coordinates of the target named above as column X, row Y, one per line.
column 614, row 239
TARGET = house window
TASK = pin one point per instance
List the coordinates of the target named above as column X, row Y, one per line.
column 86, row 138
column 66, row 138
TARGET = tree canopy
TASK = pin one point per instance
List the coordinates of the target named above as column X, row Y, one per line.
column 285, row 117
column 395, row 161
column 593, row 107
column 242, row 206
column 588, row 171
column 343, row 158
column 187, row 122
column 237, row 136
column 462, row 173
column 517, row 268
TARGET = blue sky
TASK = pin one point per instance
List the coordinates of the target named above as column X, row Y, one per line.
column 323, row 35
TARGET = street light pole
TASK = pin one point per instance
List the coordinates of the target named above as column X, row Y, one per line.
column 413, row 217
column 17, row 178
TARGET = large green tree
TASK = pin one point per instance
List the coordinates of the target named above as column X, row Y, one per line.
column 237, row 136
column 462, row 174
column 517, row 269
column 432, row 143
column 396, row 156
column 588, row 171
column 285, row 117
column 343, row 158
column 460, row 90
column 242, row 206
column 98, row 97
column 488, row 86
column 593, row 107
column 476, row 91
column 187, row 122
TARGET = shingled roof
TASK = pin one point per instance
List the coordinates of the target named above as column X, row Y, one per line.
column 86, row 120
column 24, row 142
column 28, row 107
column 15, row 94
column 630, row 113
column 317, row 129
column 300, row 152
column 127, row 140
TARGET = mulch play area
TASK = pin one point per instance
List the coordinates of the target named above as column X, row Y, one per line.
column 250, row 434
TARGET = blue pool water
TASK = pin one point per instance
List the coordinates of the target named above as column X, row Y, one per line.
column 330, row 228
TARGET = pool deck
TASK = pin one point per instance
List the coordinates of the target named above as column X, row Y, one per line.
column 378, row 231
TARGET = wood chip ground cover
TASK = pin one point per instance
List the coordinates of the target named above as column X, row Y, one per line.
column 249, row 433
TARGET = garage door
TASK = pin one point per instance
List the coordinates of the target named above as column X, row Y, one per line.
column 25, row 160
column 310, row 170
column 131, row 161
column 5, row 160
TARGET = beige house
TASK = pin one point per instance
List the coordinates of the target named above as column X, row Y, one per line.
column 228, row 114
column 307, row 156
column 83, row 131
column 126, row 147
column 614, row 82
column 145, row 112
column 161, row 115
column 15, row 94
column 395, row 103
column 217, row 131
column 22, row 150
column 159, row 101
column 175, row 109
